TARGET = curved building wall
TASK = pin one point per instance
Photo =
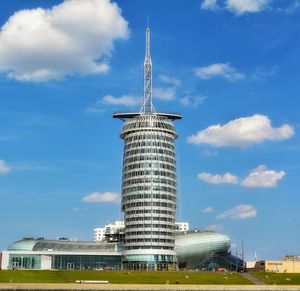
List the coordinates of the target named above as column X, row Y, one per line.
column 195, row 249
column 149, row 192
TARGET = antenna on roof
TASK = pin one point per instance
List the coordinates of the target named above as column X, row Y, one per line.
column 147, row 102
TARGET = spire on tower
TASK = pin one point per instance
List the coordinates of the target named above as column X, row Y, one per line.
column 147, row 102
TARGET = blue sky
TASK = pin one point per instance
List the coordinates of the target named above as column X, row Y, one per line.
column 231, row 67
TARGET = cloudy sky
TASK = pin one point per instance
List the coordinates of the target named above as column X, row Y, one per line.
column 231, row 67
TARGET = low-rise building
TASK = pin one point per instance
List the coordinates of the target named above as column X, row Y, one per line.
column 286, row 265
column 182, row 226
column 195, row 250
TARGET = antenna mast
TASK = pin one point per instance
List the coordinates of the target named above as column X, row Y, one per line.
column 147, row 104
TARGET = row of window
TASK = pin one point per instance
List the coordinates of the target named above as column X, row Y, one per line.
column 152, row 203
column 147, row 247
column 149, row 144
column 148, row 123
column 149, row 218
column 128, row 182
column 145, row 211
column 139, row 226
column 148, row 196
column 149, row 188
column 149, row 165
column 150, row 158
column 156, row 240
column 153, row 135
column 149, row 173
column 140, row 151
column 149, row 233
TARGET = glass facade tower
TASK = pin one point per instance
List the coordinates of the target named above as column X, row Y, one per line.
column 149, row 183
column 149, row 192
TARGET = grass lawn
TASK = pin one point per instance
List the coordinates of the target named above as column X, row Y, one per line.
column 278, row 278
column 24, row 276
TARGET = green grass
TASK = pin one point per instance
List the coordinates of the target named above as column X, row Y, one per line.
column 24, row 276
column 278, row 278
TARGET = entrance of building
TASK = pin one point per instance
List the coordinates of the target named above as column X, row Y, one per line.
column 70, row 266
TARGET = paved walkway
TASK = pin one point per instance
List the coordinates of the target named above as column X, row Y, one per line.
column 125, row 287
column 253, row 279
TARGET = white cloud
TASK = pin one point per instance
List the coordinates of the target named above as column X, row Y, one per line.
column 261, row 177
column 169, row 80
column 215, row 227
column 207, row 210
column 125, row 100
column 242, row 211
column 262, row 73
column 74, row 37
column 246, row 6
column 227, row 178
column 193, row 101
column 219, row 70
column 208, row 153
column 242, row 132
column 105, row 197
column 4, row 168
column 164, row 94
column 209, row 5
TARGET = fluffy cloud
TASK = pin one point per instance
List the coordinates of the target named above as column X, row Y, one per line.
column 193, row 101
column 207, row 210
column 219, row 70
column 242, row 132
column 261, row 177
column 74, row 37
column 227, row 178
column 215, row 227
column 246, row 6
column 4, row 168
column 238, row 7
column 105, row 197
column 164, row 94
column 169, row 80
column 209, row 5
column 124, row 100
column 242, row 211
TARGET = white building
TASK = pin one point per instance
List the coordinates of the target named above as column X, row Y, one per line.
column 182, row 226
column 99, row 234
column 108, row 230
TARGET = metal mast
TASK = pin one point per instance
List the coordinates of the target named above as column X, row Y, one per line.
column 147, row 103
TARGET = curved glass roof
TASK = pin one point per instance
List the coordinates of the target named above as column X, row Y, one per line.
column 61, row 245
column 22, row 245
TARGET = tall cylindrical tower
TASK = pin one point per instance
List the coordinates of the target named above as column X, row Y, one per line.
column 149, row 183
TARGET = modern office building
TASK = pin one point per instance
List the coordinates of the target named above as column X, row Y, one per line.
column 195, row 250
column 110, row 232
column 149, row 182
column 61, row 254
column 205, row 250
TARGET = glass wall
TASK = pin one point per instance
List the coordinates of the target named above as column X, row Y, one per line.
column 32, row 262
column 76, row 262
column 150, row 262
